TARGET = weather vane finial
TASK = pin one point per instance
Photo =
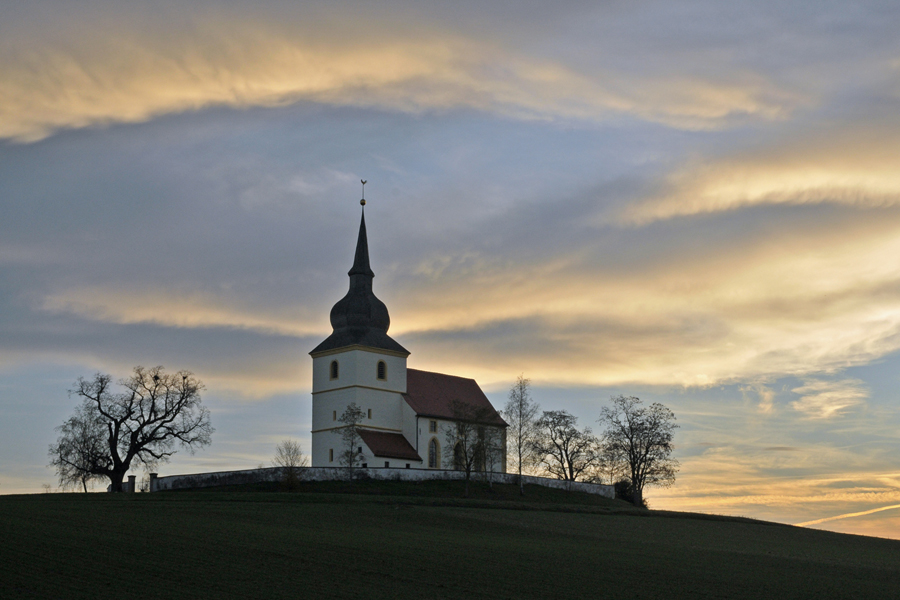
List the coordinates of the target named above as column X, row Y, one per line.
column 363, row 201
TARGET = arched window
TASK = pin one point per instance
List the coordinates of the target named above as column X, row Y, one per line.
column 459, row 457
column 434, row 454
column 334, row 369
column 382, row 370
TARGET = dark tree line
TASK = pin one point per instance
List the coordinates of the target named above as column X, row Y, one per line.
column 633, row 450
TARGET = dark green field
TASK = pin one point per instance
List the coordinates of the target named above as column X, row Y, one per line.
column 425, row 543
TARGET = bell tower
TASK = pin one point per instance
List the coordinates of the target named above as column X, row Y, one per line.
column 359, row 362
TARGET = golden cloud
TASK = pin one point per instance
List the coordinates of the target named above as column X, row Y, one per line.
column 823, row 399
column 794, row 303
column 184, row 309
column 858, row 166
column 127, row 72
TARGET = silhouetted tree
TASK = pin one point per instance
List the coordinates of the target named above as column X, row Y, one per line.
column 110, row 431
column 642, row 436
column 611, row 465
column 290, row 458
column 469, row 438
column 565, row 451
column 521, row 414
column 625, row 491
column 493, row 443
column 79, row 449
column 351, row 457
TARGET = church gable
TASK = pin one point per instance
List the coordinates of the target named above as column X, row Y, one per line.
column 433, row 395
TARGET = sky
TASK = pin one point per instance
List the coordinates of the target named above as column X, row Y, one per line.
column 696, row 203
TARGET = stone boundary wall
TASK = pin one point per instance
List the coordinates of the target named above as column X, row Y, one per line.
column 202, row 480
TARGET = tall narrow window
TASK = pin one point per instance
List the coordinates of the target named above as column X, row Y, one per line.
column 382, row 370
column 331, row 455
column 370, row 413
column 432, row 426
column 459, row 457
column 334, row 369
column 434, row 454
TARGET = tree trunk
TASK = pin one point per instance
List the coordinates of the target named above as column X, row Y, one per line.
column 638, row 497
column 115, row 481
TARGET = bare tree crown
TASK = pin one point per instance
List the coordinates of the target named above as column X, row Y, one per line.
column 110, row 431
column 641, row 437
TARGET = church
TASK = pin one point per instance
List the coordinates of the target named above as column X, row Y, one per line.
column 406, row 412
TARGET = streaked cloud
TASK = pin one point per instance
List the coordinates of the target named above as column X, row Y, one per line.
column 132, row 68
column 826, row 399
column 182, row 309
column 857, row 166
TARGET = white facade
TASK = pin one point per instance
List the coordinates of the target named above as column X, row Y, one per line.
column 357, row 382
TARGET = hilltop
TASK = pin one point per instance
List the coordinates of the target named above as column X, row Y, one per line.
column 394, row 540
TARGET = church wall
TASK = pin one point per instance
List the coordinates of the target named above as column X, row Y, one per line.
column 359, row 367
column 200, row 480
column 408, row 423
column 357, row 382
column 385, row 407
column 327, row 406
column 424, row 434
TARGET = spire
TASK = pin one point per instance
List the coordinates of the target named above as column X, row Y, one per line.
column 361, row 260
column 360, row 318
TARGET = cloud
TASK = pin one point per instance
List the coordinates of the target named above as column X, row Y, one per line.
column 822, row 399
column 124, row 69
column 766, row 403
column 854, row 165
column 192, row 309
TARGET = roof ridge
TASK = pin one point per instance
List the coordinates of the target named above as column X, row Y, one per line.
column 441, row 374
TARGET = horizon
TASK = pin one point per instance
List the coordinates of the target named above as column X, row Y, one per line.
column 690, row 203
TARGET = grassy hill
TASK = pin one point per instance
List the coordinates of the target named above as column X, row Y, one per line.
column 407, row 540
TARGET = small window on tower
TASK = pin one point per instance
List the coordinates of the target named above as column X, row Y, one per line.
column 334, row 415
column 331, row 455
column 334, row 369
column 382, row 370
column 432, row 426
column 370, row 413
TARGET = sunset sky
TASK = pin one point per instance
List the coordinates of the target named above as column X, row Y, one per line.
column 697, row 203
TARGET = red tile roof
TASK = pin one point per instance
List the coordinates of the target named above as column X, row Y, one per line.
column 432, row 395
column 388, row 445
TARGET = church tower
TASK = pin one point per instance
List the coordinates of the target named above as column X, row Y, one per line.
column 359, row 362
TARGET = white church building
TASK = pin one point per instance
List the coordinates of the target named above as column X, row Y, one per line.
column 406, row 411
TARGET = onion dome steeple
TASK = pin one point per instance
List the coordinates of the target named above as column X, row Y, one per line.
column 359, row 318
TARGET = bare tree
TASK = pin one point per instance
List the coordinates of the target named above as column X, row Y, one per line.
column 566, row 452
column 290, row 459
column 110, row 431
column 351, row 456
column 642, row 436
column 467, row 436
column 493, row 443
column 611, row 465
column 79, row 449
column 521, row 414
